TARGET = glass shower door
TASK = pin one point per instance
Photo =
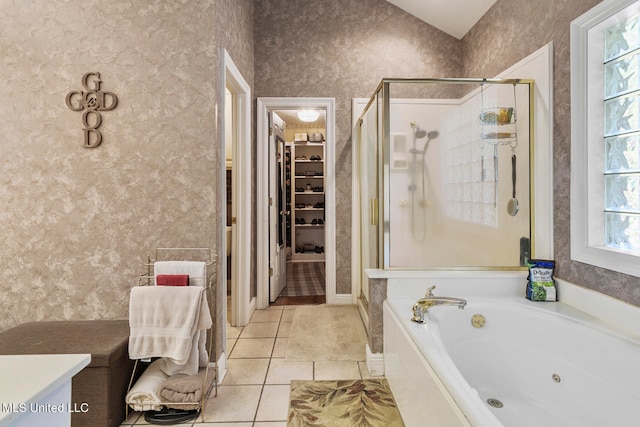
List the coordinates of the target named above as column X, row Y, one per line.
column 369, row 202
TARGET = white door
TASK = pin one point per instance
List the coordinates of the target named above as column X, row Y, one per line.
column 240, row 128
column 278, row 208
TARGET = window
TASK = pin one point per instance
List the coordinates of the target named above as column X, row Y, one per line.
column 605, row 129
column 621, row 134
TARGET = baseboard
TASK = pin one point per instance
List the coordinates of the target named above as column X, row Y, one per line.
column 364, row 315
column 344, row 299
column 252, row 307
column 375, row 363
column 221, row 364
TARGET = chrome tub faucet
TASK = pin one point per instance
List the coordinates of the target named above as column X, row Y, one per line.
column 429, row 300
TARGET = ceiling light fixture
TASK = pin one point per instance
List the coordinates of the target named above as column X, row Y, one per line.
column 308, row 115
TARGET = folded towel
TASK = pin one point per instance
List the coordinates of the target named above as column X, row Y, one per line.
column 145, row 393
column 168, row 321
column 186, row 388
column 172, row 280
column 196, row 270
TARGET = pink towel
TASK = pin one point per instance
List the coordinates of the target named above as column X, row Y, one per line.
column 172, row 280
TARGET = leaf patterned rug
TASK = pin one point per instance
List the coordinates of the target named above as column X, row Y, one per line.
column 343, row 403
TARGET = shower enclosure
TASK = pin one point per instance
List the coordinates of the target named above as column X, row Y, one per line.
column 444, row 174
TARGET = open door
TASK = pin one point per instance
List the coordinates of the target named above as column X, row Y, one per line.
column 236, row 130
column 278, row 208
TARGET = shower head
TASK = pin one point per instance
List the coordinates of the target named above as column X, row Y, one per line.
column 419, row 133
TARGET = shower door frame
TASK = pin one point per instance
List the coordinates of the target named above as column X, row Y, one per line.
column 383, row 208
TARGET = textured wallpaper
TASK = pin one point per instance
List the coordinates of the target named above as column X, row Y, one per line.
column 77, row 223
column 342, row 49
column 234, row 32
column 511, row 30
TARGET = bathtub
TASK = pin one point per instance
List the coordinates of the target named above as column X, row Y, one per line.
column 531, row 364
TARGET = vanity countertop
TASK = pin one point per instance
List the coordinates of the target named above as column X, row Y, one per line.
column 26, row 380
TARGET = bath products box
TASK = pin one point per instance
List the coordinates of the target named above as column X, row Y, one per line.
column 540, row 285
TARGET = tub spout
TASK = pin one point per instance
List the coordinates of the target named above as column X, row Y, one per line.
column 423, row 304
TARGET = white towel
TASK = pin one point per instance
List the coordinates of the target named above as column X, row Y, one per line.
column 145, row 393
column 196, row 270
column 198, row 358
column 169, row 322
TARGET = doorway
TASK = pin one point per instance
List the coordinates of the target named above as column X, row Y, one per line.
column 296, row 199
column 297, row 217
column 235, row 188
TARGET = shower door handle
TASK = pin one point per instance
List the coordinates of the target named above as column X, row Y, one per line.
column 373, row 212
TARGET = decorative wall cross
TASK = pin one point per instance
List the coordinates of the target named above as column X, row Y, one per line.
column 92, row 100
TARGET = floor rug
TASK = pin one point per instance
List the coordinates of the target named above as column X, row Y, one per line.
column 304, row 279
column 326, row 332
column 344, row 403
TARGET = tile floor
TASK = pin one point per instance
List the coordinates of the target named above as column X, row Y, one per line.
column 255, row 389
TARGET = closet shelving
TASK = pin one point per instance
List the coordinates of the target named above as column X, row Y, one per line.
column 308, row 200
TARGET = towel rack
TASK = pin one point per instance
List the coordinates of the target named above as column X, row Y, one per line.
column 209, row 260
column 207, row 256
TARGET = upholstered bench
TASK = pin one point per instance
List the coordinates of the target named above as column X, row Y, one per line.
column 102, row 385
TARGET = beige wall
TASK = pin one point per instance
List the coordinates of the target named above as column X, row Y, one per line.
column 77, row 223
column 342, row 49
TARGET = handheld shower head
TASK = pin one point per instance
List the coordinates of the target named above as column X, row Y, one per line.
column 431, row 135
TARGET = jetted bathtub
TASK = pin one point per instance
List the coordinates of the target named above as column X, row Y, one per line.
column 507, row 361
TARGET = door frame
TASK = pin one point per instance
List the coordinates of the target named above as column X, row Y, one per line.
column 264, row 105
column 241, row 307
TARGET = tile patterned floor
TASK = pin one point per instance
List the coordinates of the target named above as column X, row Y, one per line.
column 255, row 390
